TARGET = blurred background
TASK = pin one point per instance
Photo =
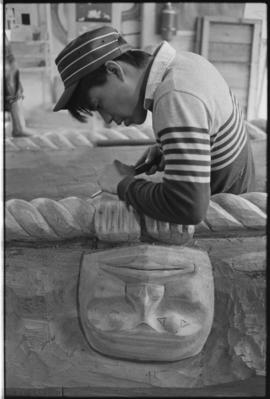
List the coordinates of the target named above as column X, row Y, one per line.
column 233, row 36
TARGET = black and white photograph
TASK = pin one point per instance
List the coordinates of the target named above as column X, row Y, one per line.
column 134, row 199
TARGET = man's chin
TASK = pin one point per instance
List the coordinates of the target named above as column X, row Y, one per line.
column 135, row 121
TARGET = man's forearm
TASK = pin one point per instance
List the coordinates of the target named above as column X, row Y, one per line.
column 174, row 202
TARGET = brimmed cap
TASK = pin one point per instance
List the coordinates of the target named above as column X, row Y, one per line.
column 85, row 54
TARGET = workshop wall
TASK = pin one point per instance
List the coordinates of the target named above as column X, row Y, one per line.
column 140, row 23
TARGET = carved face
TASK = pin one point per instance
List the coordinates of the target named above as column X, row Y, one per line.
column 147, row 302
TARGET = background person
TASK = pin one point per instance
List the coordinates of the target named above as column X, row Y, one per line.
column 13, row 94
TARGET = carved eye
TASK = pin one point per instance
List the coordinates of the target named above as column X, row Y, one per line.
column 173, row 323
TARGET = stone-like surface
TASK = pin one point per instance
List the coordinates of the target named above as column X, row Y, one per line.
column 46, row 348
column 147, row 303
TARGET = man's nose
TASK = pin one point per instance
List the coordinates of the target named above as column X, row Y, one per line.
column 105, row 116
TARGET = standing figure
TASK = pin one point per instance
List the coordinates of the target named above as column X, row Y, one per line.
column 13, row 94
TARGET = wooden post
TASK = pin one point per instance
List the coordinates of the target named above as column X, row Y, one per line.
column 71, row 21
column 253, row 78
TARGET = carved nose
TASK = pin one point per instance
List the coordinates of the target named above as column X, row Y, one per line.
column 144, row 297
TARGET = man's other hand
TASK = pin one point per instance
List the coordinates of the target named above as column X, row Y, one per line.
column 152, row 154
column 112, row 174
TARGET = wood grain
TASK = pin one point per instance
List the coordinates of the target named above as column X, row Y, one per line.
column 46, row 348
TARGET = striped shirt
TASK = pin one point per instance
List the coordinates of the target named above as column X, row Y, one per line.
column 199, row 126
column 230, row 139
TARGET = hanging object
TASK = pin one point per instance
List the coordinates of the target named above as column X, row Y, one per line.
column 168, row 22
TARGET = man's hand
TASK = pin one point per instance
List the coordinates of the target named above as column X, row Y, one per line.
column 151, row 154
column 112, row 174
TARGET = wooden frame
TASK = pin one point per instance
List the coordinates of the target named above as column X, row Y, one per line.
column 242, row 26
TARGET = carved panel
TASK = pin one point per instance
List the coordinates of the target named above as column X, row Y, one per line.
column 147, row 302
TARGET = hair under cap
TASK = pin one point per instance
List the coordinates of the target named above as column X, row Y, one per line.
column 85, row 54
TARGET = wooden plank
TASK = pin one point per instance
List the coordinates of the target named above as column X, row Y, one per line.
column 227, row 19
column 230, row 32
column 205, row 38
column 62, row 173
column 253, row 79
column 236, row 35
column 236, row 75
column 229, row 52
column 254, row 386
column 198, row 36
column 34, row 392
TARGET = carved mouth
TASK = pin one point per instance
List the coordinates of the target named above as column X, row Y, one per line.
column 133, row 274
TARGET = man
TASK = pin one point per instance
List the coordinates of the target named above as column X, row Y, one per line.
column 13, row 94
column 197, row 121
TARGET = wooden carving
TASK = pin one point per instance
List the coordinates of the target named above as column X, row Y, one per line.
column 114, row 222
column 110, row 220
column 66, row 139
column 147, row 303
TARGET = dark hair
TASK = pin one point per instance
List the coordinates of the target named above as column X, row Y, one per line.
column 79, row 105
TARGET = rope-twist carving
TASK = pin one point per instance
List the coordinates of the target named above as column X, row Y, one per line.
column 69, row 139
column 47, row 219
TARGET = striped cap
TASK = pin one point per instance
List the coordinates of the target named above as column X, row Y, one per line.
column 85, row 54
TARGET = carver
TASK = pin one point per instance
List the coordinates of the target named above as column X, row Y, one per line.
column 202, row 144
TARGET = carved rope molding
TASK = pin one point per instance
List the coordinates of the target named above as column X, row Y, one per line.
column 66, row 139
column 110, row 220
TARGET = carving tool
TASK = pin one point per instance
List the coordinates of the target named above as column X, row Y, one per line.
column 145, row 166
column 141, row 168
column 96, row 194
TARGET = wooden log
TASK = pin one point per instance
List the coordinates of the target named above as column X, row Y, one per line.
column 111, row 220
column 66, row 139
column 244, row 211
column 46, row 219
column 45, row 345
column 259, row 199
column 114, row 222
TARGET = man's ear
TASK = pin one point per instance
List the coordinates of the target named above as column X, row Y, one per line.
column 113, row 67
